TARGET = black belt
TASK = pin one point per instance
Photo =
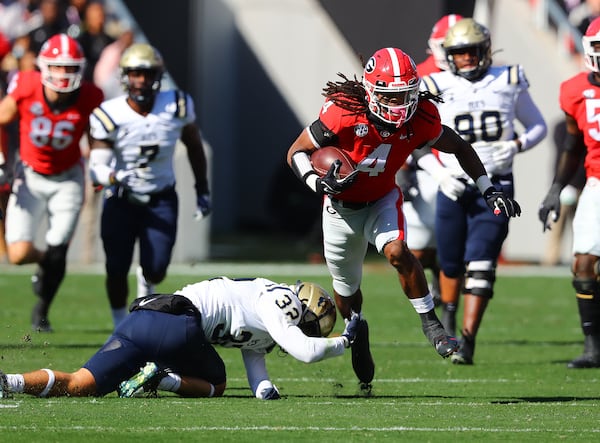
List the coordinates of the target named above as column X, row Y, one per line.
column 352, row 205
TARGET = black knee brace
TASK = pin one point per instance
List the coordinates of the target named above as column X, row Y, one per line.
column 480, row 281
column 585, row 287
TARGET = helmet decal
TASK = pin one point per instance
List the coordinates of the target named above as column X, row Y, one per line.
column 371, row 64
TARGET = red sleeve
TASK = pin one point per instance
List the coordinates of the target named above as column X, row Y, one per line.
column 23, row 84
column 570, row 94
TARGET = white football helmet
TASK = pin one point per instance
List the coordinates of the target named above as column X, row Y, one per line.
column 591, row 37
column 61, row 50
column 467, row 33
column 319, row 315
column 392, row 84
column 142, row 57
column 436, row 39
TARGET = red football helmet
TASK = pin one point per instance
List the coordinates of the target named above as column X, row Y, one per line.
column 61, row 50
column 592, row 55
column 392, row 84
column 436, row 39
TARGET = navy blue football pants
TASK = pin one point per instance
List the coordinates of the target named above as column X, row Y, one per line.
column 173, row 341
column 154, row 225
column 467, row 229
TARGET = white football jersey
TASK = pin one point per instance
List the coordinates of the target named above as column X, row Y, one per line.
column 481, row 112
column 256, row 314
column 144, row 143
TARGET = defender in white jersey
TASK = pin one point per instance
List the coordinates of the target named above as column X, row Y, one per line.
column 175, row 333
column 481, row 103
column 133, row 145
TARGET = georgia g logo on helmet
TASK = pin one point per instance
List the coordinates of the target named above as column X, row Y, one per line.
column 371, row 64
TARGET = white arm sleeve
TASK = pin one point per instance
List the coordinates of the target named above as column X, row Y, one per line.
column 101, row 166
column 530, row 116
column 310, row 349
column 290, row 337
column 256, row 368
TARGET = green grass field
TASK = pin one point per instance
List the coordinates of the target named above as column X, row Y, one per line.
column 518, row 390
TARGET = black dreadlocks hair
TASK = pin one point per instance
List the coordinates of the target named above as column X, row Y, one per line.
column 347, row 94
column 351, row 95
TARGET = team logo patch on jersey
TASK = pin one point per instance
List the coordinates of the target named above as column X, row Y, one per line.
column 589, row 93
column 36, row 108
column 361, row 130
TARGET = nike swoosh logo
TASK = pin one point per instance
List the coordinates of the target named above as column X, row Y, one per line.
column 145, row 302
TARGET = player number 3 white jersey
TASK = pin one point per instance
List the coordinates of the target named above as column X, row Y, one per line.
column 144, row 143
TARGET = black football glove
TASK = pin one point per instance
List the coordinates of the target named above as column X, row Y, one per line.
column 352, row 328
column 331, row 183
column 500, row 203
column 550, row 206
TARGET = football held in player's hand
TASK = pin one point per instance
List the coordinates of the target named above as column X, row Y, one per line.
column 323, row 158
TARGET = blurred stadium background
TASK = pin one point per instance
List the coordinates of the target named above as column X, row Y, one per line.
column 256, row 69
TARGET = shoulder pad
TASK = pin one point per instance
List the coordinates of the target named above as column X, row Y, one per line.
column 513, row 75
column 430, row 85
column 107, row 122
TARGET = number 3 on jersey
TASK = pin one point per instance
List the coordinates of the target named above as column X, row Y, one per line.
column 43, row 133
column 374, row 163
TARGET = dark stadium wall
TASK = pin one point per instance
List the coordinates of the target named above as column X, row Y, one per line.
column 166, row 25
column 372, row 24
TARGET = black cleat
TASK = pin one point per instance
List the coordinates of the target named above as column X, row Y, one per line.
column 446, row 345
column 365, row 389
column 443, row 343
column 362, row 360
column 464, row 355
column 585, row 360
column 591, row 354
column 39, row 319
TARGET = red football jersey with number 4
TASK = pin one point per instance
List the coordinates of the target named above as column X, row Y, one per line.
column 581, row 100
column 49, row 140
column 378, row 154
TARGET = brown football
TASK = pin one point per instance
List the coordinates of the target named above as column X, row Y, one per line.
column 322, row 159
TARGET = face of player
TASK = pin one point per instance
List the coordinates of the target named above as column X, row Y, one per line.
column 62, row 77
column 142, row 86
column 465, row 58
column 392, row 98
column 141, row 78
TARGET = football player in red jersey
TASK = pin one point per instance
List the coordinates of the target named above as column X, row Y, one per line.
column 579, row 99
column 53, row 108
column 380, row 122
